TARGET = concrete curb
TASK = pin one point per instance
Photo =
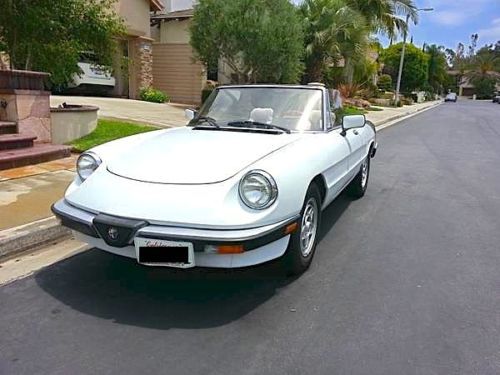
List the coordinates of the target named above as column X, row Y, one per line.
column 28, row 236
column 401, row 116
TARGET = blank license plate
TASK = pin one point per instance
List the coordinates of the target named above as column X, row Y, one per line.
column 164, row 253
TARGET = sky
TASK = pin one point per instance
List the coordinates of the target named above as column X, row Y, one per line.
column 453, row 21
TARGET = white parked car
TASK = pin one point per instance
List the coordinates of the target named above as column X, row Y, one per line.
column 243, row 183
column 92, row 75
column 451, row 97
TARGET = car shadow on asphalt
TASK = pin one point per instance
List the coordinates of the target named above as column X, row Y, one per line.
column 111, row 287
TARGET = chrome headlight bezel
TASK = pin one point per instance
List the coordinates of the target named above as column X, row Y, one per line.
column 94, row 160
column 267, row 181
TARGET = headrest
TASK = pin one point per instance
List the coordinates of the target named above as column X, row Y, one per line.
column 264, row 115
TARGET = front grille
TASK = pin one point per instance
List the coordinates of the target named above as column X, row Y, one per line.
column 115, row 231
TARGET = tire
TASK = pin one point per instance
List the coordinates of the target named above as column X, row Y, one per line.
column 359, row 184
column 300, row 253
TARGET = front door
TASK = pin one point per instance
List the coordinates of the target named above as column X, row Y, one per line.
column 357, row 150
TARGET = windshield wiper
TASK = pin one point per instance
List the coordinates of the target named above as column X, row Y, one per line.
column 256, row 124
column 206, row 120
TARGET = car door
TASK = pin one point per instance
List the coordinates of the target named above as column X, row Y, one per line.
column 357, row 150
column 337, row 151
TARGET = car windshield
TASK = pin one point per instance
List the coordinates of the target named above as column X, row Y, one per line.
column 288, row 108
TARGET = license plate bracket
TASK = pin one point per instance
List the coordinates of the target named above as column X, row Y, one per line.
column 164, row 253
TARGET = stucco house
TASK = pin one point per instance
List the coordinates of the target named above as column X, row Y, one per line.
column 134, row 61
column 175, row 70
column 465, row 87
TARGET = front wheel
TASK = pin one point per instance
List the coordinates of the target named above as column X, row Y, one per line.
column 357, row 187
column 303, row 241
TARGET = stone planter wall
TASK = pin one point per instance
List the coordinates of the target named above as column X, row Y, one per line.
column 72, row 122
column 30, row 109
column 24, row 101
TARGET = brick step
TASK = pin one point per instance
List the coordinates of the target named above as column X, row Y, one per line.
column 39, row 153
column 15, row 141
column 8, row 127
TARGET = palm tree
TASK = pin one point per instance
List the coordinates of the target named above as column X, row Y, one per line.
column 384, row 15
column 333, row 30
column 437, row 66
column 483, row 73
column 484, row 65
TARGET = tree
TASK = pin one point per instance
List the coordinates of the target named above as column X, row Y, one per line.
column 385, row 82
column 260, row 40
column 484, row 72
column 49, row 36
column 333, row 32
column 415, row 68
column 484, row 86
column 437, row 75
column 384, row 15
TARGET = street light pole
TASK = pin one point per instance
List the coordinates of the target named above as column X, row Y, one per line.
column 402, row 60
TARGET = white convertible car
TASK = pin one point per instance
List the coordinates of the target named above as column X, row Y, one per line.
column 243, row 183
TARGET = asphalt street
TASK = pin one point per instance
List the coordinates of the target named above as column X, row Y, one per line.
column 405, row 281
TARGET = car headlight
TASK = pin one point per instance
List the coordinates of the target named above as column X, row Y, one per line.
column 258, row 190
column 86, row 164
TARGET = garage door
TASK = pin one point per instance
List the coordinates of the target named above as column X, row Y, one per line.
column 175, row 73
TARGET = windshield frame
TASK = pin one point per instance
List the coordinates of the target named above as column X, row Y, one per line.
column 214, row 93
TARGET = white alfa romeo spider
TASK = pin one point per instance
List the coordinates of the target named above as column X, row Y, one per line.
column 243, row 183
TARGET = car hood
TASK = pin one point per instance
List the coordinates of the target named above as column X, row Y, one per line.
column 188, row 156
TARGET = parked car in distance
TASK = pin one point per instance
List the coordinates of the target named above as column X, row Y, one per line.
column 93, row 78
column 243, row 183
column 496, row 97
column 451, row 97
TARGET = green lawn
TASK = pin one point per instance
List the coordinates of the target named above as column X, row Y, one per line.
column 346, row 111
column 108, row 130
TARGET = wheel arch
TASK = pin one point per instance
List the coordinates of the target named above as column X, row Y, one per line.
column 320, row 182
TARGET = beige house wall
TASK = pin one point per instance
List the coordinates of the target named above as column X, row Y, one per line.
column 136, row 16
column 175, row 32
column 175, row 72
column 137, row 47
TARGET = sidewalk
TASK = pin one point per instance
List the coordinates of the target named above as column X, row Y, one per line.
column 162, row 115
column 27, row 193
column 390, row 113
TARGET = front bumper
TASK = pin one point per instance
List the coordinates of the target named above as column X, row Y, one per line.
column 261, row 244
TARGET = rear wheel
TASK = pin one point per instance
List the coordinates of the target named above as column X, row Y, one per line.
column 303, row 241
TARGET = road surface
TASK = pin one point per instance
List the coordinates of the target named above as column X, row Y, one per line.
column 405, row 281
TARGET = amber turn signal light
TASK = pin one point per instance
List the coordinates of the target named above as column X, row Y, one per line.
column 291, row 228
column 230, row 249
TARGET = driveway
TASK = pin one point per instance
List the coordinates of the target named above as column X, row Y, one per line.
column 163, row 115
column 405, row 281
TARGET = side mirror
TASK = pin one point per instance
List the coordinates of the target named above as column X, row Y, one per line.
column 189, row 114
column 353, row 122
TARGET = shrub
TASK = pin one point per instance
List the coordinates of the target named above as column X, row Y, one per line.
column 369, row 91
column 349, row 90
column 385, row 82
column 485, row 87
column 149, row 94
